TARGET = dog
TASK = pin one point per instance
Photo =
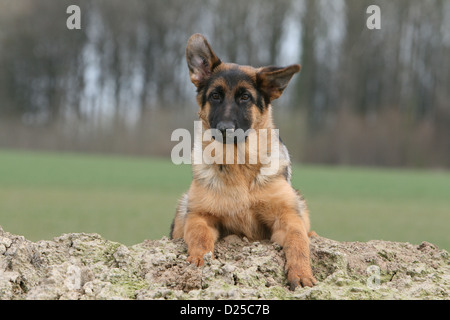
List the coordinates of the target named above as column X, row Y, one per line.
column 237, row 198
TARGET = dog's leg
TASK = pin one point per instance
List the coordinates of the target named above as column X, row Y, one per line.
column 200, row 234
column 312, row 234
column 177, row 227
column 290, row 232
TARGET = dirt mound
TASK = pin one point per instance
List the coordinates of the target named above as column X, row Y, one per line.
column 86, row 266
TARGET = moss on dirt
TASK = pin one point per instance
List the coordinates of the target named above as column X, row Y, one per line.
column 86, row 266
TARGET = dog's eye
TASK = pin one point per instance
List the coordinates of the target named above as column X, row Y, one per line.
column 245, row 97
column 215, row 96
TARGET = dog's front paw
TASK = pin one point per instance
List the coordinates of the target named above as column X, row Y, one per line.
column 300, row 276
column 196, row 260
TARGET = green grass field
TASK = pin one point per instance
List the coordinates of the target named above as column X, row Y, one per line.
column 43, row 195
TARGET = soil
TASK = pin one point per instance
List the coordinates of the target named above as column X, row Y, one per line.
column 87, row 266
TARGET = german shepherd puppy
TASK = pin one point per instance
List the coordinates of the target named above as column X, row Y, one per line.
column 237, row 198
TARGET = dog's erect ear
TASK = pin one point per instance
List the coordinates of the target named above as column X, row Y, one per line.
column 273, row 80
column 201, row 59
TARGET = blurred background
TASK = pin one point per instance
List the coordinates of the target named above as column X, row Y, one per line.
column 86, row 115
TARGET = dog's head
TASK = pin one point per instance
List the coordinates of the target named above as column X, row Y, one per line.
column 232, row 96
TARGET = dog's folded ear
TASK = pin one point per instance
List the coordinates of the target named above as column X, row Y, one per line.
column 273, row 80
column 201, row 59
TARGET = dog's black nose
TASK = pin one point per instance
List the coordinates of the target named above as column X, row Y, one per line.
column 223, row 126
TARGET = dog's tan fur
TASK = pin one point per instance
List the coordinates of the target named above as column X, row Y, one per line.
column 235, row 198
